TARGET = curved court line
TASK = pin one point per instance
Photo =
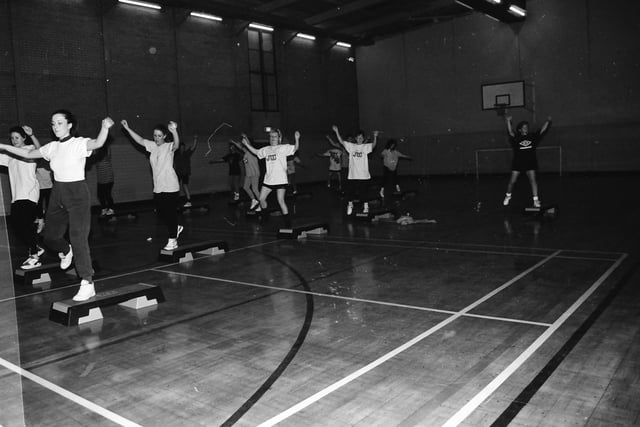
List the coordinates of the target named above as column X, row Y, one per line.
column 346, row 380
column 479, row 398
column 112, row 416
column 302, row 335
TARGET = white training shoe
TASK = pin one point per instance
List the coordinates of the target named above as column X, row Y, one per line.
column 507, row 199
column 171, row 245
column 86, row 291
column 110, row 212
column 365, row 208
column 536, row 203
column 254, row 203
column 32, row 262
column 187, row 205
column 349, row 208
column 398, row 189
column 39, row 251
column 65, row 260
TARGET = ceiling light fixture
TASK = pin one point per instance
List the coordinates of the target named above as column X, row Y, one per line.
column 260, row 27
column 206, row 16
column 306, row 36
column 142, row 4
column 517, row 11
column 343, row 44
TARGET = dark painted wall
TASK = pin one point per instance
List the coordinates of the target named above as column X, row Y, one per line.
column 99, row 58
column 580, row 60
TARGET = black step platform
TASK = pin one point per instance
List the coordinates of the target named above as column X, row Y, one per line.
column 545, row 211
column 128, row 215
column 202, row 208
column 299, row 195
column 301, row 228
column 185, row 253
column 373, row 214
column 404, row 194
column 40, row 275
column 71, row 313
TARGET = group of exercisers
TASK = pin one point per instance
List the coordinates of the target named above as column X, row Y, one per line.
column 69, row 202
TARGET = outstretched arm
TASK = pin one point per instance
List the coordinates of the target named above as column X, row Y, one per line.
column 545, row 126
column 136, row 138
column 375, row 139
column 296, row 135
column 94, row 144
column 337, row 132
column 248, row 146
column 21, row 151
column 173, row 128
column 509, row 127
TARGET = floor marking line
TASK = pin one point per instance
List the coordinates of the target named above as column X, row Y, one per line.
column 361, row 300
column 479, row 398
column 112, row 416
column 335, row 386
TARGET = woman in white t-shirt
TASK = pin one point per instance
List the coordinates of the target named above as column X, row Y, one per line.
column 166, row 186
column 25, row 193
column 359, row 175
column 70, row 206
column 275, row 178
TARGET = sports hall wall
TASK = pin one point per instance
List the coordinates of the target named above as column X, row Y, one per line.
column 98, row 58
column 580, row 60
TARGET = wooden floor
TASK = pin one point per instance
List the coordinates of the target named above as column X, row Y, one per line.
column 488, row 317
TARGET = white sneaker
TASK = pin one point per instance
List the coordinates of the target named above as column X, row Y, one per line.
column 103, row 212
column 507, row 199
column 365, row 208
column 254, row 203
column 236, row 196
column 187, row 205
column 180, row 228
column 40, row 225
column 86, row 291
column 398, row 189
column 349, row 208
column 39, row 251
column 171, row 245
column 110, row 212
column 65, row 260
column 536, row 203
column 32, row 262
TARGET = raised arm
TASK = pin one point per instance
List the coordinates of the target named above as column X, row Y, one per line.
column 248, row 146
column 29, row 132
column 173, row 129
column 545, row 126
column 509, row 127
column 136, row 138
column 337, row 132
column 94, row 144
column 375, row 139
column 296, row 135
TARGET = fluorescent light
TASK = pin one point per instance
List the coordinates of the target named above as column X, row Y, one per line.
column 464, row 4
column 518, row 11
column 142, row 3
column 260, row 27
column 343, row 44
column 495, row 1
column 206, row 16
column 306, row 36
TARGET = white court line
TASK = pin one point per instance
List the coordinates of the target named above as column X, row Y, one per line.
column 476, row 251
column 69, row 395
column 362, row 300
column 477, row 400
column 335, row 386
column 131, row 273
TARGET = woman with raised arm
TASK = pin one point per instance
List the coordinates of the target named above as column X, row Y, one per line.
column 166, row 187
column 25, row 193
column 524, row 144
column 70, row 205
column 275, row 178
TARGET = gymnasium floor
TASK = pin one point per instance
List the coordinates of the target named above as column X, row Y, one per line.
column 488, row 317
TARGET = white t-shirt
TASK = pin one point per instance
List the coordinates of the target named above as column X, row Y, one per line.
column 165, row 179
column 67, row 159
column 358, row 160
column 22, row 177
column 275, row 157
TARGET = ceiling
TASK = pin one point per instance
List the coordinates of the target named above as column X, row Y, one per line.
column 358, row 22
